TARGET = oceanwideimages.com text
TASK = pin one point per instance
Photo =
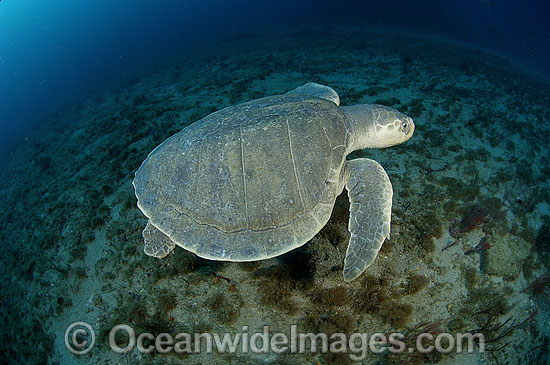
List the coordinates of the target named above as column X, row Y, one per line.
column 123, row 339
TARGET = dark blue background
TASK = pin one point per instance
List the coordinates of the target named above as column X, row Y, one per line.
column 53, row 52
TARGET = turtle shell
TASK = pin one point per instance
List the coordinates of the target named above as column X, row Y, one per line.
column 248, row 182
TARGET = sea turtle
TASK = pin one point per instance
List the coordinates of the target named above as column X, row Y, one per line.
column 259, row 179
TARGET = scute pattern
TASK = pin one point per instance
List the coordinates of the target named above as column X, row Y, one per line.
column 262, row 175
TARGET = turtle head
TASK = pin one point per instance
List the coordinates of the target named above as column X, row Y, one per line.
column 378, row 126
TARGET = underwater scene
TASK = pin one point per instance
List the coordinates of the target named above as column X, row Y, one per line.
column 144, row 223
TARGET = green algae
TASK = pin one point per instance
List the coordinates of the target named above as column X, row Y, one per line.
column 419, row 234
column 397, row 314
column 332, row 297
column 225, row 306
column 377, row 297
column 277, row 288
column 414, row 284
column 393, row 102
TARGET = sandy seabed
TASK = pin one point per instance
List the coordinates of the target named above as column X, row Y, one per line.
column 476, row 169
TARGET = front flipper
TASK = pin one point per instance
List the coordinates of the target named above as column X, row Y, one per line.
column 370, row 193
column 318, row 91
column 157, row 244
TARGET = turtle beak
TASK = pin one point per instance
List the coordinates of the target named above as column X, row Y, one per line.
column 409, row 130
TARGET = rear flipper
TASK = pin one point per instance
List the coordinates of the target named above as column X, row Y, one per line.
column 157, row 244
column 370, row 193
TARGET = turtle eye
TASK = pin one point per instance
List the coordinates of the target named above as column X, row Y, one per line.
column 405, row 125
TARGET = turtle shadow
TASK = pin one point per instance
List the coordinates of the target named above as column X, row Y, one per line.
column 299, row 263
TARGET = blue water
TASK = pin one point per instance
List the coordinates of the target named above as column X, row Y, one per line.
column 51, row 54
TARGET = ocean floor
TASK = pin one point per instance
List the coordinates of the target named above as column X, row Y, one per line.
column 470, row 238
